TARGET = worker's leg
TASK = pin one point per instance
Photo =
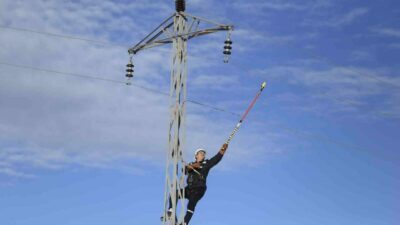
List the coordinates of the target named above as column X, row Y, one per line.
column 177, row 197
column 170, row 203
column 194, row 197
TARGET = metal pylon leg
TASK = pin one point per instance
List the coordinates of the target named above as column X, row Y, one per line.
column 175, row 177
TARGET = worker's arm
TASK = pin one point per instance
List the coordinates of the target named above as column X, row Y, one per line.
column 215, row 159
column 223, row 149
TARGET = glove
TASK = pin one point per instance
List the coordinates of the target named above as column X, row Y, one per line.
column 223, row 148
column 194, row 166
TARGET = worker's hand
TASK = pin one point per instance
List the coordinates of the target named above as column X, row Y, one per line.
column 193, row 166
column 223, row 148
column 196, row 165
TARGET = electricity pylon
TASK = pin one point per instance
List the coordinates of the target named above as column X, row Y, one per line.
column 177, row 29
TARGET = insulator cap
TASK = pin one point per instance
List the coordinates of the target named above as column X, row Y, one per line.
column 227, row 52
column 180, row 5
column 128, row 75
column 130, row 65
column 228, row 47
column 229, row 42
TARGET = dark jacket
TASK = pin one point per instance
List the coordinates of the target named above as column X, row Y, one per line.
column 194, row 179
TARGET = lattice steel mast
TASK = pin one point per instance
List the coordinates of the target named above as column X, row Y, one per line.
column 177, row 29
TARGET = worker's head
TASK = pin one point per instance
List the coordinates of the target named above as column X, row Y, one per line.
column 200, row 154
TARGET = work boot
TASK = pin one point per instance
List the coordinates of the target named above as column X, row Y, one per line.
column 169, row 214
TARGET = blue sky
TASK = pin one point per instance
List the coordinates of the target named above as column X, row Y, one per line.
column 320, row 146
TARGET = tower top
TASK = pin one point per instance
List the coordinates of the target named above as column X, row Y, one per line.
column 180, row 5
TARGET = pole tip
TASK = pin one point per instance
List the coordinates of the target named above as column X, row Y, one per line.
column 263, row 85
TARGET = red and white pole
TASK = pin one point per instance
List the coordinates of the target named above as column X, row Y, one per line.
column 263, row 85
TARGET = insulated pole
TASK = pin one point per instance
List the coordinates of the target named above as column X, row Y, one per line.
column 263, row 85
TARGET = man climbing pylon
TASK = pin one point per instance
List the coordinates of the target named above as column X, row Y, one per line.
column 197, row 173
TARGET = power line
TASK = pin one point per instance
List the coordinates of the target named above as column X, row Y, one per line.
column 379, row 114
column 112, row 81
column 104, row 43
column 61, row 73
column 295, row 131
column 127, row 46
column 373, row 77
column 214, row 108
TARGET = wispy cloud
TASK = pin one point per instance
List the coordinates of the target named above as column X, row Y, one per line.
column 257, row 36
column 11, row 172
column 214, row 81
column 385, row 31
column 280, row 6
column 338, row 20
column 262, row 6
column 350, row 88
column 359, row 55
column 394, row 45
column 55, row 122
column 349, row 17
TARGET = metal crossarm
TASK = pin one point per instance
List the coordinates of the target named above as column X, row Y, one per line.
column 164, row 33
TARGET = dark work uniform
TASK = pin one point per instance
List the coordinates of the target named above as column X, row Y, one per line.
column 197, row 184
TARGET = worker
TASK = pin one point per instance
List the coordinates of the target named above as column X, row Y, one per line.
column 197, row 173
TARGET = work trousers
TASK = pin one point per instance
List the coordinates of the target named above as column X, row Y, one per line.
column 193, row 194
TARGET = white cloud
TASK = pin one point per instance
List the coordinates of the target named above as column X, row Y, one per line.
column 253, row 37
column 338, row 20
column 10, row 172
column 215, row 81
column 385, row 31
column 51, row 121
column 263, row 6
column 101, row 20
column 350, row 16
column 280, row 6
column 339, row 89
column 395, row 45
column 359, row 55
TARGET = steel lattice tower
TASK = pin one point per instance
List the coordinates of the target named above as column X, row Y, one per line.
column 177, row 29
